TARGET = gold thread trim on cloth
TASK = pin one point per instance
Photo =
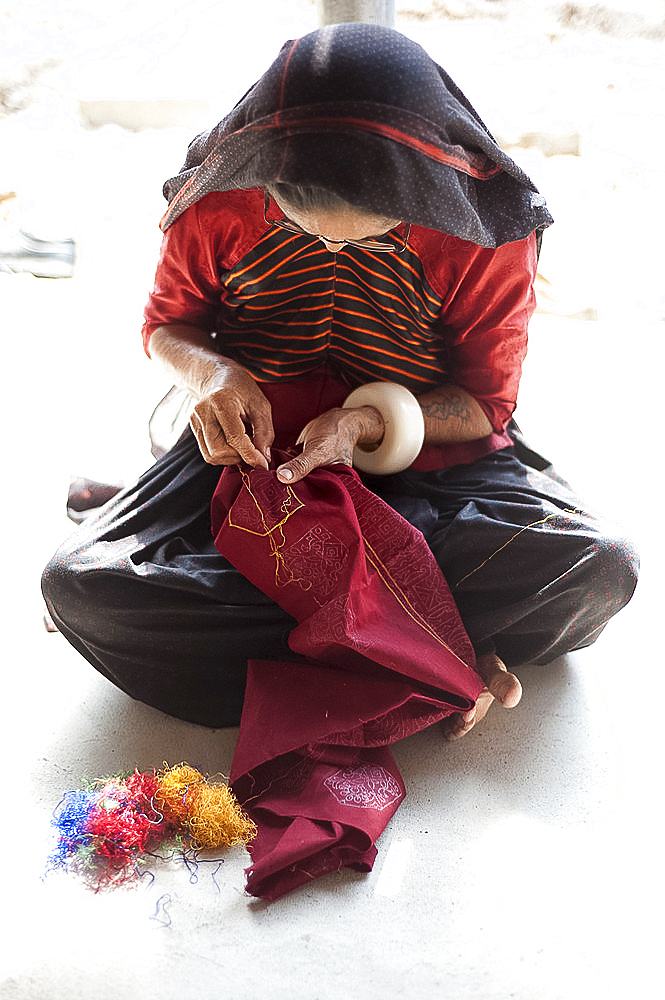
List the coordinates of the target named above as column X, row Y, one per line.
column 391, row 584
column 505, row 545
column 276, row 543
column 290, row 496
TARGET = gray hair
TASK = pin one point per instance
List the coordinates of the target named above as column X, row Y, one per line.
column 307, row 199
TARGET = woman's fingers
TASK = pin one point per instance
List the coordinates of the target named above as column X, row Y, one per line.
column 330, row 438
column 259, row 415
column 212, row 443
column 237, row 437
column 314, row 455
column 220, row 423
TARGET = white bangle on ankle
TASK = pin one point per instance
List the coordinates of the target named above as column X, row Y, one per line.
column 404, row 427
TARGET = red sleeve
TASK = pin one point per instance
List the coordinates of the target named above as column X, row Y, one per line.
column 209, row 238
column 187, row 287
column 488, row 302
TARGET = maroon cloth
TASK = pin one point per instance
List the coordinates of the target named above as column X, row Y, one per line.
column 383, row 654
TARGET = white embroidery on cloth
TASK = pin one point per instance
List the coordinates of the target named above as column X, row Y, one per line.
column 367, row 786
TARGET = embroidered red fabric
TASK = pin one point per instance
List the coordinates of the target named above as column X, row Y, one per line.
column 382, row 653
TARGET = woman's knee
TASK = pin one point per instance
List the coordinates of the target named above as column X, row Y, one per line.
column 613, row 571
column 63, row 585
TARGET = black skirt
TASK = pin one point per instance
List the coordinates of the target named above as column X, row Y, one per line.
column 140, row 590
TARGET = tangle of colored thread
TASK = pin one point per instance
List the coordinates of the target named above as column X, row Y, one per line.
column 104, row 833
column 210, row 812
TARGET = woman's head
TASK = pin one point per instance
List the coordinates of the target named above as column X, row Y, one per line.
column 319, row 212
column 362, row 111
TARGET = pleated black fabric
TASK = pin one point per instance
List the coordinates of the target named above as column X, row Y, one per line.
column 142, row 593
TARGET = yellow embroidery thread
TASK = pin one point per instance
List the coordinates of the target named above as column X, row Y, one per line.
column 403, row 600
column 275, row 535
column 526, row 527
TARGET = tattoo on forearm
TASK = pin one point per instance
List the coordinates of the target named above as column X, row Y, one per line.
column 453, row 406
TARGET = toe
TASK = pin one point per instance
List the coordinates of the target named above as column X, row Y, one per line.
column 506, row 688
column 458, row 724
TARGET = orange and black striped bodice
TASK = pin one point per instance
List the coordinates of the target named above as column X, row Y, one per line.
column 290, row 307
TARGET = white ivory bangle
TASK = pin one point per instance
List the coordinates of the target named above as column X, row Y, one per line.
column 404, row 427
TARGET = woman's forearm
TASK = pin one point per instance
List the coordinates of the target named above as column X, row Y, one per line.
column 187, row 354
column 453, row 415
column 232, row 419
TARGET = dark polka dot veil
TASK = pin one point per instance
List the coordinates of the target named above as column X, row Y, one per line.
column 363, row 111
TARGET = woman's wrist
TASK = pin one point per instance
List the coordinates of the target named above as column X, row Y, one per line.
column 403, row 427
column 216, row 373
column 187, row 352
column 371, row 427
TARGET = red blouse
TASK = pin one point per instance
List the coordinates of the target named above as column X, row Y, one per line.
column 445, row 310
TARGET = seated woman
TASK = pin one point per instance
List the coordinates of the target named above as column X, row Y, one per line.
column 350, row 222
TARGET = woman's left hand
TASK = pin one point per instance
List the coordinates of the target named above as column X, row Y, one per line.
column 330, row 439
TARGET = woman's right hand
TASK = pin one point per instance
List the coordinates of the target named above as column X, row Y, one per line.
column 232, row 402
column 229, row 401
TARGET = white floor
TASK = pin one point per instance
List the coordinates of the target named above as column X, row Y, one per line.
column 525, row 861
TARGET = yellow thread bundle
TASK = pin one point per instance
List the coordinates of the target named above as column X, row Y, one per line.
column 210, row 812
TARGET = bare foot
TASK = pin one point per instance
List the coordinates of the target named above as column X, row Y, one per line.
column 500, row 685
